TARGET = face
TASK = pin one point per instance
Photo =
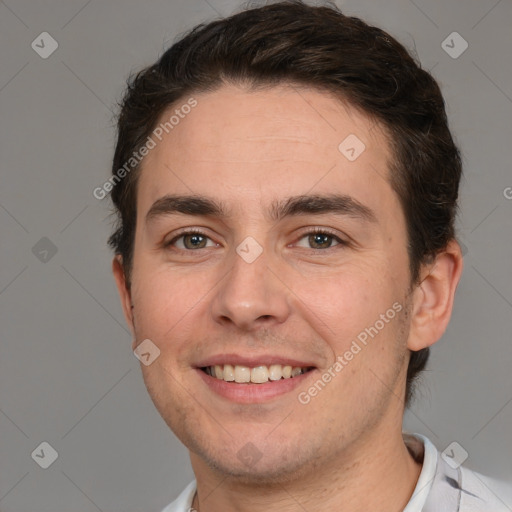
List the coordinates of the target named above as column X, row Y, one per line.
column 306, row 267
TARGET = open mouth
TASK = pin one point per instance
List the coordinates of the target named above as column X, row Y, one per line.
column 254, row 375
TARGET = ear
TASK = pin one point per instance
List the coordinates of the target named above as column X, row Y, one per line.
column 432, row 301
column 124, row 291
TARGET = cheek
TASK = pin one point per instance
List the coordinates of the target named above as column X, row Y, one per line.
column 350, row 300
column 162, row 304
column 359, row 316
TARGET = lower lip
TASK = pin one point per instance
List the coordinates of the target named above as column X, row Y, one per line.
column 253, row 393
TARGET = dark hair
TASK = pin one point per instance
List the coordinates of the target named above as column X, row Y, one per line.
column 291, row 42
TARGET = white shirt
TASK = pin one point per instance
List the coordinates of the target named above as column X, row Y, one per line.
column 440, row 487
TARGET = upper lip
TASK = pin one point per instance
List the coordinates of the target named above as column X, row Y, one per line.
column 252, row 361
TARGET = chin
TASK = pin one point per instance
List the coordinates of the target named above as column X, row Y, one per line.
column 280, row 467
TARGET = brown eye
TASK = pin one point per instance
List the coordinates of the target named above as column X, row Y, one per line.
column 192, row 240
column 322, row 239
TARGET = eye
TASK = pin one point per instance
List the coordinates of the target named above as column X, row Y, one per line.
column 192, row 239
column 321, row 238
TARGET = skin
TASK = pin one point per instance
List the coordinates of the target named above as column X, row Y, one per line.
column 300, row 299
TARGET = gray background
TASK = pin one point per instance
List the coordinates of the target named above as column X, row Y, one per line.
column 67, row 373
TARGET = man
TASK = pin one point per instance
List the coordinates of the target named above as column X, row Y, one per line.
column 286, row 185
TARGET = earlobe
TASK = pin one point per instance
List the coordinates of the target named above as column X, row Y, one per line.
column 123, row 289
column 433, row 298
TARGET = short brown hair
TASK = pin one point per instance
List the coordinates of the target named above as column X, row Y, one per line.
column 292, row 42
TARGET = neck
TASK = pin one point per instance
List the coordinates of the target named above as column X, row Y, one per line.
column 374, row 473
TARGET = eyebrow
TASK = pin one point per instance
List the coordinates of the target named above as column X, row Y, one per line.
column 338, row 204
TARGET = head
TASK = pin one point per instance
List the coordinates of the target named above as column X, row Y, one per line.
column 250, row 111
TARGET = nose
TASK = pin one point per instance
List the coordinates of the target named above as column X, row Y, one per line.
column 251, row 295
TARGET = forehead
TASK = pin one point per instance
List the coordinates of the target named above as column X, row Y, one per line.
column 284, row 140
column 232, row 119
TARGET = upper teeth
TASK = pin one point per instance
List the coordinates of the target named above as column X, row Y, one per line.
column 256, row 375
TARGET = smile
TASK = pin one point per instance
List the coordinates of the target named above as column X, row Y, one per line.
column 260, row 374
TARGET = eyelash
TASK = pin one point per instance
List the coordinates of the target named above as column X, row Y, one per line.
column 314, row 231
